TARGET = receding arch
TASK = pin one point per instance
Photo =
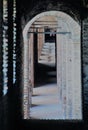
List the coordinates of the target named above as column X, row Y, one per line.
column 59, row 14
column 75, row 36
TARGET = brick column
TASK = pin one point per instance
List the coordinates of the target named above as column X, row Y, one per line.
column 31, row 61
column 1, row 73
column 1, row 15
column 26, row 80
column 35, row 43
column 69, row 73
column 77, row 88
column 85, row 64
column 40, row 42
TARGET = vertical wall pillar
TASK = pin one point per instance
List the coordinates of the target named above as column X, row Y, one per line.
column 69, row 74
column 69, row 78
column 31, row 70
column 40, row 41
column 1, row 73
column 26, row 88
column 55, row 51
column 31, row 60
column 35, row 48
column 85, row 63
column 59, row 70
column 77, row 88
column 35, row 37
column 1, row 15
column 10, row 45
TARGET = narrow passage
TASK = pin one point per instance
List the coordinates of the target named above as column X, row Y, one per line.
column 45, row 99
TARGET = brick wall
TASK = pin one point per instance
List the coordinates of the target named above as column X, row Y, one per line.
column 85, row 64
column 40, row 42
column 50, row 7
column 17, row 94
column 0, row 48
column 1, row 108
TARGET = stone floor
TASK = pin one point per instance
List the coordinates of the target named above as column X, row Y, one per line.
column 45, row 100
column 45, row 103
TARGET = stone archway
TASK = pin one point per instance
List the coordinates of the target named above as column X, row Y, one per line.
column 68, row 54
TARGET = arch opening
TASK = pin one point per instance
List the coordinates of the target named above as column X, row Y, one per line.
column 67, row 57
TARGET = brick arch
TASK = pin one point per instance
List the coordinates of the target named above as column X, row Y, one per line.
column 75, row 37
column 61, row 15
column 55, row 6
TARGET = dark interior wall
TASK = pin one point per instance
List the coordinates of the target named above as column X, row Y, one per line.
column 80, row 14
column 1, row 108
column 85, row 62
column 41, row 6
column 24, row 3
column 1, row 48
column 11, row 114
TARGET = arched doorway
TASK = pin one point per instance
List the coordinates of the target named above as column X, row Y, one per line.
column 68, row 65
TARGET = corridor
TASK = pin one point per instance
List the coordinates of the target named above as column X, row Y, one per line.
column 52, row 74
column 45, row 102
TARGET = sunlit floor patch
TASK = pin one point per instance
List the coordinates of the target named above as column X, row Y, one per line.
column 46, row 103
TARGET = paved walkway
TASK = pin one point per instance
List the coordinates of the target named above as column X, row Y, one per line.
column 45, row 100
column 45, row 103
